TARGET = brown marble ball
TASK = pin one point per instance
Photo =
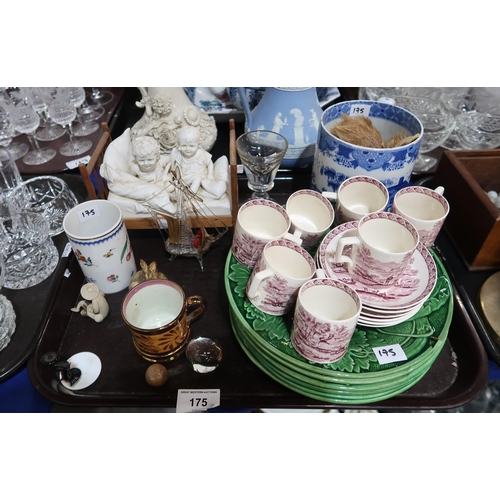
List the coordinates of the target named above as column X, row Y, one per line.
column 156, row 375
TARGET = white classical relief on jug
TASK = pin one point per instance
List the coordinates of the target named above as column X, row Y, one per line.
column 168, row 109
column 278, row 123
column 300, row 136
column 314, row 120
column 298, row 127
column 140, row 176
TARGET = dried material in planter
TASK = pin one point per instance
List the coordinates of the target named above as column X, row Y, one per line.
column 360, row 131
column 400, row 140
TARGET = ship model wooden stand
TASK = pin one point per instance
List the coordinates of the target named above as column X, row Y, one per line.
column 193, row 227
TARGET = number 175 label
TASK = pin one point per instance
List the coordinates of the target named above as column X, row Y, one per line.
column 88, row 213
column 193, row 400
column 360, row 110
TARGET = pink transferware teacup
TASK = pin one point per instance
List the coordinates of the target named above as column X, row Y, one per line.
column 381, row 249
column 425, row 208
column 325, row 318
column 282, row 269
column 258, row 222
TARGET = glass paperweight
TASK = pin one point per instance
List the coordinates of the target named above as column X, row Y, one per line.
column 204, row 354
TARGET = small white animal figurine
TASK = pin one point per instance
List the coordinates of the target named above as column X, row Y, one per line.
column 94, row 304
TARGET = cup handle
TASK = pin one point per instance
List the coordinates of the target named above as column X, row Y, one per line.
column 295, row 237
column 199, row 305
column 330, row 195
column 339, row 258
column 320, row 273
column 257, row 279
column 439, row 190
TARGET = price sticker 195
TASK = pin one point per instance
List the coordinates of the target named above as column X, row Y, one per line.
column 389, row 354
column 360, row 110
column 193, row 400
column 88, row 213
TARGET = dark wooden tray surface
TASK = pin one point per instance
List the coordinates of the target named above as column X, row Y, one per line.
column 457, row 376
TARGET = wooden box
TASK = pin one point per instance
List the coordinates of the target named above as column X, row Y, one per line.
column 473, row 222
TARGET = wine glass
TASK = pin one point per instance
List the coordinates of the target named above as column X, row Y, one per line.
column 25, row 119
column 17, row 150
column 438, row 123
column 63, row 112
column 38, row 98
column 99, row 97
column 261, row 153
column 7, row 133
column 84, row 114
column 88, row 116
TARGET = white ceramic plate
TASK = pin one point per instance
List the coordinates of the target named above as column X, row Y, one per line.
column 366, row 321
column 89, row 364
column 389, row 314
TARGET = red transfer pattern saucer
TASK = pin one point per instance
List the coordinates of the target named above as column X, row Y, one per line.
column 412, row 288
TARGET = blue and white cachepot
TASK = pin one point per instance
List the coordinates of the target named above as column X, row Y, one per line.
column 336, row 160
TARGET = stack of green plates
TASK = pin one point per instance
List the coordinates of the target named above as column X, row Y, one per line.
column 358, row 378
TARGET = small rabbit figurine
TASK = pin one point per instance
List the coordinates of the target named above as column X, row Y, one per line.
column 147, row 273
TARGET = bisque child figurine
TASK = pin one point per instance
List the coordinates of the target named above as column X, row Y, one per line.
column 194, row 164
column 94, row 304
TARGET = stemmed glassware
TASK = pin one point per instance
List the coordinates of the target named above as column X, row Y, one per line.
column 17, row 150
column 39, row 98
column 477, row 130
column 437, row 121
column 88, row 116
column 85, row 115
column 99, row 97
column 261, row 153
column 470, row 114
column 457, row 103
column 7, row 133
column 25, row 119
column 63, row 111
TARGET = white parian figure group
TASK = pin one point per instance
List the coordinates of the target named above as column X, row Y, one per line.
column 139, row 175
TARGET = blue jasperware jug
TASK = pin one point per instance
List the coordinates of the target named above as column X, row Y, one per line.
column 293, row 112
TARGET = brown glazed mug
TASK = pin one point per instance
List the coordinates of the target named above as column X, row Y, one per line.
column 158, row 314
